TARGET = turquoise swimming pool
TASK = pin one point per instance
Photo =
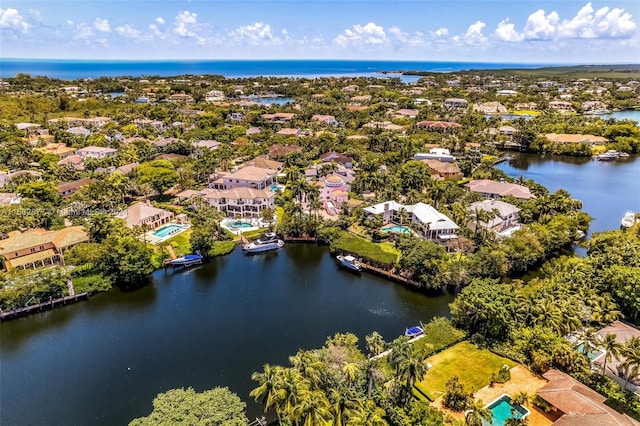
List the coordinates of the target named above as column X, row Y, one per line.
column 592, row 355
column 396, row 229
column 238, row 224
column 167, row 230
column 502, row 409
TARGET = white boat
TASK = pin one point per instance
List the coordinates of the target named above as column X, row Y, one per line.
column 609, row 155
column 188, row 260
column 349, row 262
column 628, row 220
column 267, row 242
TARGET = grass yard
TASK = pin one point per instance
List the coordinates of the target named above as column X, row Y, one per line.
column 473, row 367
column 383, row 253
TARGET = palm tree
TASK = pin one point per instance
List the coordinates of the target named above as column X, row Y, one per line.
column 267, row 392
column 371, row 415
column 294, row 389
column 589, row 339
column 612, row 349
column 309, row 366
column 375, row 344
column 350, row 371
column 476, row 413
column 345, row 403
column 313, row 409
column 631, row 365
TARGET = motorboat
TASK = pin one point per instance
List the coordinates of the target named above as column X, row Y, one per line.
column 188, row 260
column 609, row 155
column 349, row 262
column 267, row 242
column 628, row 220
column 414, row 331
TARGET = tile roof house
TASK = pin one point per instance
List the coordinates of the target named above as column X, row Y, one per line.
column 570, row 138
column 278, row 150
column 505, row 220
column 444, row 169
column 289, row 132
column 39, row 247
column 336, row 157
column 579, row 404
column 278, row 117
column 493, row 189
column 60, row 150
column 67, row 189
column 235, row 202
column 74, row 161
column 96, row 152
column 427, row 221
column 127, row 168
column 248, row 177
column 455, row 103
column 144, row 214
column 326, row 119
column 440, row 126
column 210, row 144
column 263, row 162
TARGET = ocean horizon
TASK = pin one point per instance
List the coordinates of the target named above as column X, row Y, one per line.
column 73, row 69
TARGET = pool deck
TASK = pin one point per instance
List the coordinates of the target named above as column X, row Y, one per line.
column 152, row 239
column 522, row 380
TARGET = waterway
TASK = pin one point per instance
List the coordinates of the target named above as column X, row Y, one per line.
column 102, row 362
column 607, row 189
column 628, row 114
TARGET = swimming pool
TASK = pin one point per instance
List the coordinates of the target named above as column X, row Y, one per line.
column 167, row 230
column 397, row 229
column 592, row 355
column 238, row 224
column 502, row 409
column 275, row 187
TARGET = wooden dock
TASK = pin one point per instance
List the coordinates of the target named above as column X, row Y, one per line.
column 43, row 306
column 390, row 275
column 307, row 239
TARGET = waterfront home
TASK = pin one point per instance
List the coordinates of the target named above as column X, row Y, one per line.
column 247, row 177
column 593, row 106
column 561, row 106
column 440, row 154
column 443, row 169
column 38, row 247
column 60, row 150
column 503, row 218
column 336, row 157
column 438, row 126
column 66, row 189
column 238, row 202
column 278, row 117
column 455, row 103
column 493, row 189
column 334, row 188
column 577, row 404
column 507, row 130
column 96, row 152
column 180, row 97
column 423, row 218
column 144, row 214
column 563, row 138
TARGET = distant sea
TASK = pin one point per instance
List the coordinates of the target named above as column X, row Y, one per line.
column 78, row 69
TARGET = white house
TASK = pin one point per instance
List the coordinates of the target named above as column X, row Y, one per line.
column 96, row 152
column 505, row 217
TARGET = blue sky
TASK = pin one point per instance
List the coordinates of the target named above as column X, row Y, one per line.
column 425, row 30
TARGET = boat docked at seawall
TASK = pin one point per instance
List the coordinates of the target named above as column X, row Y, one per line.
column 414, row 331
column 267, row 242
column 349, row 262
column 628, row 220
column 610, row 155
column 188, row 260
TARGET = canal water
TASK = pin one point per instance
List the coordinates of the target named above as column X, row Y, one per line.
column 102, row 362
column 607, row 189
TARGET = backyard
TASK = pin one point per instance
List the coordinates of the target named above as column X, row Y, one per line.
column 472, row 365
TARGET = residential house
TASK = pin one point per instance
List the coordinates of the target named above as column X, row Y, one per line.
column 96, row 152
column 145, row 215
column 72, row 161
column 180, row 97
column 8, row 199
column 66, row 189
column 253, row 131
column 240, row 202
column 215, row 96
column 490, row 108
column 161, row 143
column 384, row 125
column 493, row 189
column 324, row 119
column 562, row 106
column 278, row 150
column 405, row 113
column 289, row 132
column 623, row 333
column 247, row 177
column 209, row 144
column 506, row 92
column 423, row 218
column 440, row 126
column 336, row 157
column 439, row 154
column 455, row 103
column 38, row 247
column 578, row 404
column 503, row 216
column 443, row 169
column 278, row 117
column 569, row 138
column 60, row 150
column 350, row 89
column 263, row 162
column 237, row 116
column 79, row 131
column 127, row 168
column 334, row 189
column 357, row 100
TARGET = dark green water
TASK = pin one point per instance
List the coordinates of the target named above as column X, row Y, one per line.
column 103, row 361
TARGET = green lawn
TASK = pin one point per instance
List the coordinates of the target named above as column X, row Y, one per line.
column 383, row 253
column 473, row 367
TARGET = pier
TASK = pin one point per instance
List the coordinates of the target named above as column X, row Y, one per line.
column 303, row 239
column 389, row 275
column 43, row 306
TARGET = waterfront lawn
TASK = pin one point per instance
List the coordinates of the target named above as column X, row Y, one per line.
column 180, row 243
column 472, row 365
column 380, row 253
column 222, row 247
column 438, row 333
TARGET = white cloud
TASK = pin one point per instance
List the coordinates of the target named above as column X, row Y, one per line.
column 440, row 32
column 69, row 22
column 128, row 31
column 35, row 14
column 473, row 36
column 159, row 20
column 11, row 19
column 102, row 25
column 186, row 23
column 506, row 32
column 540, row 26
column 156, row 31
column 83, row 31
column 406, row 39
column 370, row 34
column 257, row 33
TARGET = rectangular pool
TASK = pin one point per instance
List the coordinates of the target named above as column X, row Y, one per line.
column 396, row 229
column 502, row 409
column 167, row 230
